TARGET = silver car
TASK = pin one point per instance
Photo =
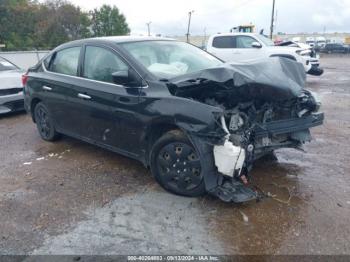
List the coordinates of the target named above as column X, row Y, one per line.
column 11, row 88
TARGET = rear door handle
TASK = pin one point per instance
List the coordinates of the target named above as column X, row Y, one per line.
column 47, row 88
column 83, row 96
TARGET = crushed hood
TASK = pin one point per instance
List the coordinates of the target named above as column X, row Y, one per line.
column 274, row 78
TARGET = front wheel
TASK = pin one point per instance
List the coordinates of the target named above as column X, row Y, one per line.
column 44, row 123
column 176, row 165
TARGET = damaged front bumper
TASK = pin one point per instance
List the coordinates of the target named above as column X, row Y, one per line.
column 289, row 125
column 230, row 161
column 233, row 162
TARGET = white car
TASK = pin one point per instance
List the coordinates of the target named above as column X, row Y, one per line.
column 242, row 47
column 11, row 88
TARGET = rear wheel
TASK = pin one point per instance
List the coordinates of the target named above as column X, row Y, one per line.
column 176, row 165
column 44, row 123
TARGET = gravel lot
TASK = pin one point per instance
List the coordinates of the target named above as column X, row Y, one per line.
column 69, row 197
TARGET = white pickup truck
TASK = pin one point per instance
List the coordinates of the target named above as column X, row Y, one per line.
column 242, row 47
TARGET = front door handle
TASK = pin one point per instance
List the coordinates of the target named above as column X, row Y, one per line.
column 83, row 96
column 47, row 88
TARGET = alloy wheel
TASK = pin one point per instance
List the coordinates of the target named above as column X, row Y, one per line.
column 43, row 121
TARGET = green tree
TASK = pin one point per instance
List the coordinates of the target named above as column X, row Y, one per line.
column 17, row 23
column 59, row 22
column 108, row 21
column 30, row 24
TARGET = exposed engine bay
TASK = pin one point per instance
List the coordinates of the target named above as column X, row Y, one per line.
column 244, row 121
column 264, row 105
column 247, row 125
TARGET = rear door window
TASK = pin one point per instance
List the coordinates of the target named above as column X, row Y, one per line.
column 101, row 63
column 224, row 42
column 66, row 61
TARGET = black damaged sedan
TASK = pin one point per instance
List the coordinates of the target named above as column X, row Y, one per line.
column 197, row 122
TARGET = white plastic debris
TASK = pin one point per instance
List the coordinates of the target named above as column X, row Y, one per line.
column 27, row 163
column 40, row 158
column 229, row 158
column 244, row 217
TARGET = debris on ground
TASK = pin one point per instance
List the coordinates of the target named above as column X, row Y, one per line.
column 244, row 217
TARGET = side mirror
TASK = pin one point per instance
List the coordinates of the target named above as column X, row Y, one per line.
column 127, row 78
column 256, row 45
column 121, row 77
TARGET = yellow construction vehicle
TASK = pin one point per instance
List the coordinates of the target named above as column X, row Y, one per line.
column 243, row 29
column 347, row 40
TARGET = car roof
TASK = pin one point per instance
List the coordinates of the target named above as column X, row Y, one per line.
column 123, row 39
column 116, row 39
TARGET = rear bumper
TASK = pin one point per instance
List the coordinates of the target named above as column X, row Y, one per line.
column 11, row 103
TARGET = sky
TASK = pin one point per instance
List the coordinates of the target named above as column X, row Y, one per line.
column 170, row 18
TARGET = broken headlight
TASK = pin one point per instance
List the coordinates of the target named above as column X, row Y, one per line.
column 308, row 101
column 316, row 99
column 236, row 122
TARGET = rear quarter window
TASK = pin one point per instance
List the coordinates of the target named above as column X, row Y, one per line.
column 224, row 42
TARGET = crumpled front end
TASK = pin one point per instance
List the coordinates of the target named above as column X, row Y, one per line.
column 265, row 107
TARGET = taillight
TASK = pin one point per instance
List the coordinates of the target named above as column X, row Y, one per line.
column 24, row 79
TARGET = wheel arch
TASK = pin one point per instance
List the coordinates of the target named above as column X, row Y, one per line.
column 158, row 129
column 154, row 131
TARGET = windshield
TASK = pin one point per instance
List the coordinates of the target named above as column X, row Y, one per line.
column 265, row 40
column 167, row 59
column 6, row 65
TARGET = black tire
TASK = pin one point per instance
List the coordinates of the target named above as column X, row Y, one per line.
column 176, row 165
column 44, row 123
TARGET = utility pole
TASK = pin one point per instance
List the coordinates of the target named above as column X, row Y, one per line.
column 272, row 17
column 275, row 22
column 149, row 28
column 188, row 27
column 205, row 37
